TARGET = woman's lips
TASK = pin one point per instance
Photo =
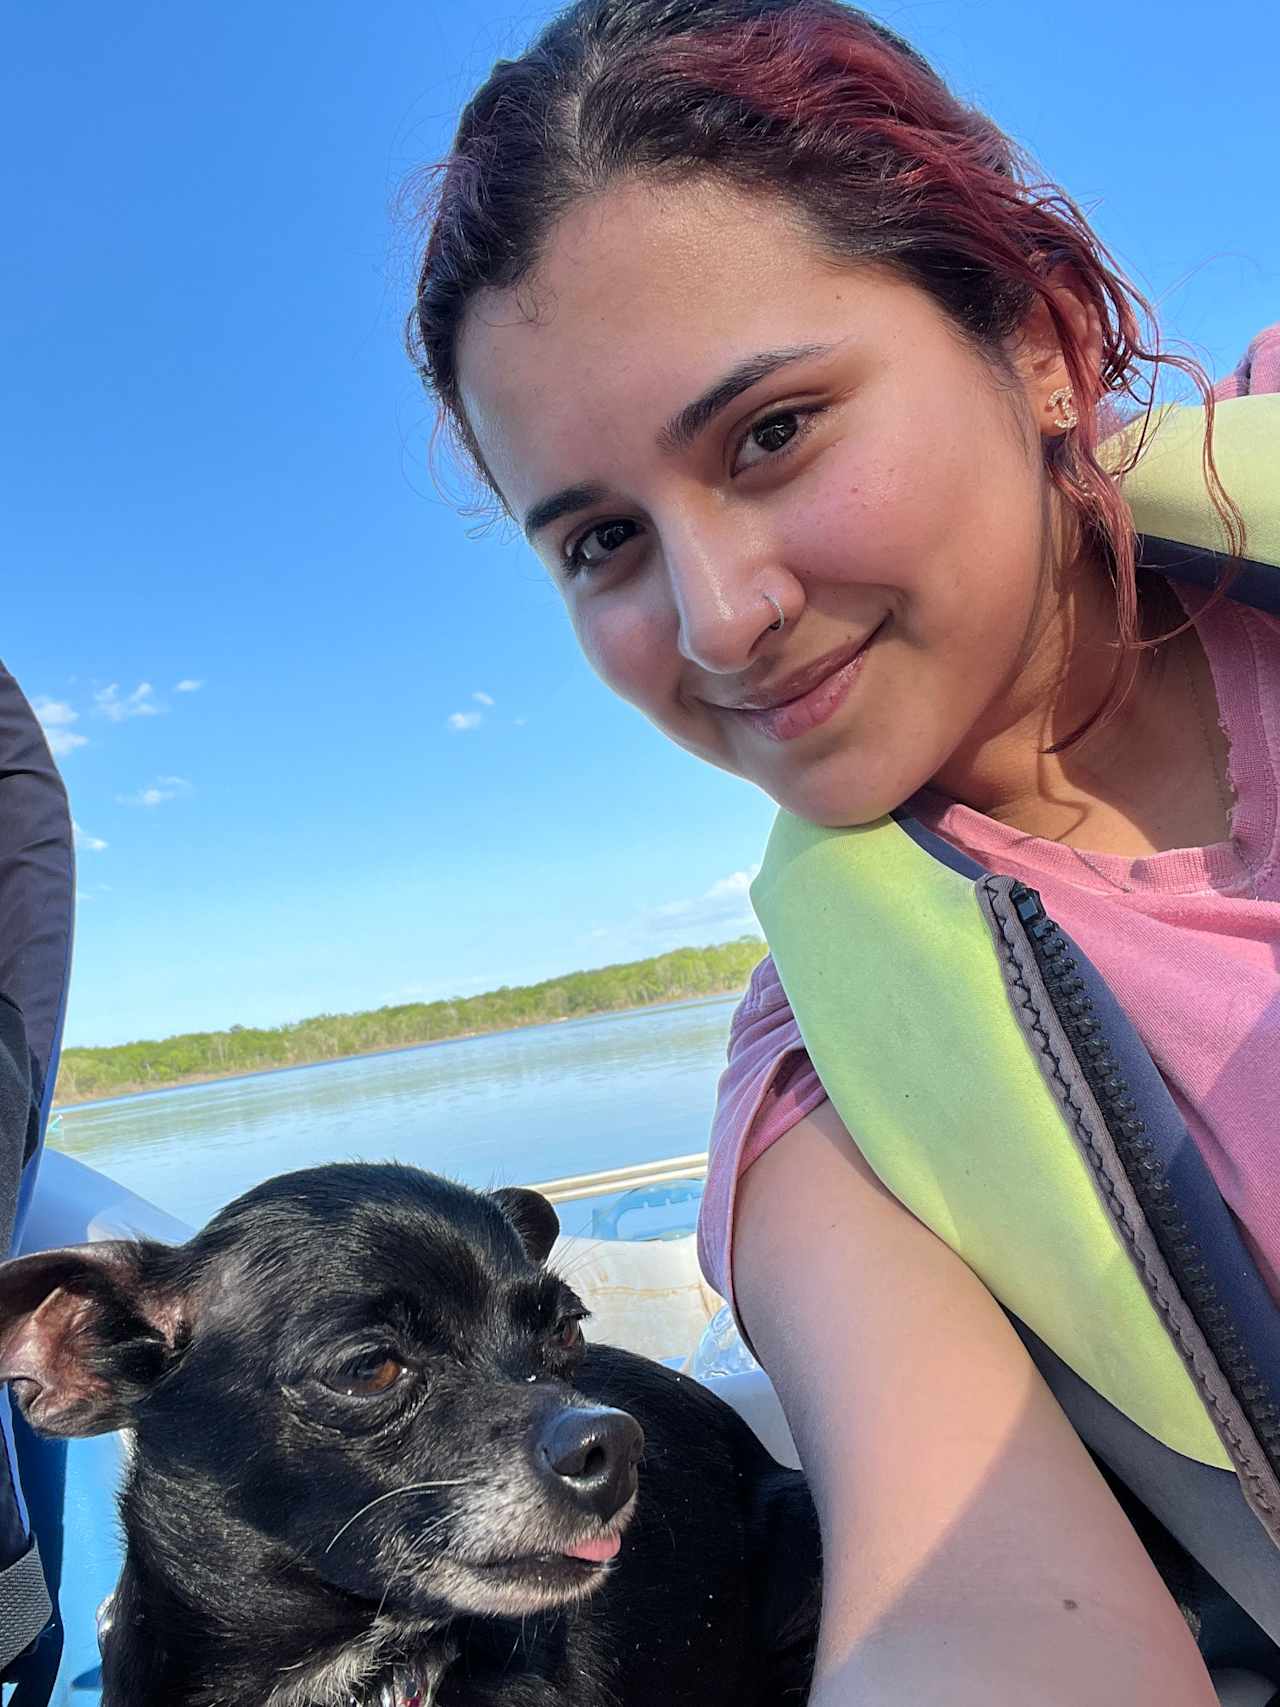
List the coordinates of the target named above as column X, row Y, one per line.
column 814, row 707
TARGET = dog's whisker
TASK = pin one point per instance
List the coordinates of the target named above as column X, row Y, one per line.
column 409, row 1488
column 570, row 1261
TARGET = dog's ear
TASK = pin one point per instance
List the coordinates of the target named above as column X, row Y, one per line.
column 535, row 1219
column 84, row 1332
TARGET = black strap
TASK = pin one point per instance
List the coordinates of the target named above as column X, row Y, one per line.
column 1251, row 583
column 25, row 1607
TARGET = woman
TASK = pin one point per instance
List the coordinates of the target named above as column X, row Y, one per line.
column 797, row 387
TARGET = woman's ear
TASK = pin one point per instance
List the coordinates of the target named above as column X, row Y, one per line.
column 85, row 1333
column 1037, row 354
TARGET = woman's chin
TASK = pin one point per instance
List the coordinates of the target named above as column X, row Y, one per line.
column 832, row 809
column 824, row 791
column 830, row 797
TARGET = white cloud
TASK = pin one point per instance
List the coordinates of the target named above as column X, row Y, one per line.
column 188, row 684
column 519, row 722
column 465, row 719
column 720, row 912
column 156, row 793
column 85, row 842
column 140, row 703
column 726, row 905
column 483, row 698
column 56, row 717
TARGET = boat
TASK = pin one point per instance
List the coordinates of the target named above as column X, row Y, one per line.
column 645, row 1292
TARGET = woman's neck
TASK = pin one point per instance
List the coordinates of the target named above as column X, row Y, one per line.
column 1151, row 778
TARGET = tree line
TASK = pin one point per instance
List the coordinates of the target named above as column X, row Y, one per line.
column 144, row 1066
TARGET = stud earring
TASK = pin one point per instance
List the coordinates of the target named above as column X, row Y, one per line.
column 1063, row 403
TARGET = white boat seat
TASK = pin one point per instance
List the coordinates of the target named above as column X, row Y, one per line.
column 645, row 1295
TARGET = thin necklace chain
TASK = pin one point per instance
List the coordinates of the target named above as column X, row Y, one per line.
column 1220, row 783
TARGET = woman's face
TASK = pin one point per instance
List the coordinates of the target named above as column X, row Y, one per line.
column 690, row 408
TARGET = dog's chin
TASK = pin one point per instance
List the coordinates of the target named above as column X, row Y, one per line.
column 512, row 1588
column 515, row 1581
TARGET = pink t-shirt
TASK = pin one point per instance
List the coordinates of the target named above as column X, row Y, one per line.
column 1188, row 940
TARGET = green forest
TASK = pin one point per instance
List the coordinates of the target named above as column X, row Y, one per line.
column 149, row 1066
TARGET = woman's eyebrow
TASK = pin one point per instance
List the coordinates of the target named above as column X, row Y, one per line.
column 562, row 503
column 681, row 430
column 685, row 425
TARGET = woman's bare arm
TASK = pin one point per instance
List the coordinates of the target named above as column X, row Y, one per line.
column 974, row 1555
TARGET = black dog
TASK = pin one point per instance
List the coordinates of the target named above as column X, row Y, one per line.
column 376, row 1466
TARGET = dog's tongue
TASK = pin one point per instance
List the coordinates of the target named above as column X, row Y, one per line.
column 595, row 1551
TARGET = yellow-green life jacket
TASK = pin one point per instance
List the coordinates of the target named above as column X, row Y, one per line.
column 993, row 1083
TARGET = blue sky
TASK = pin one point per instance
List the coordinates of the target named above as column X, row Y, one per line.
column 251, row 621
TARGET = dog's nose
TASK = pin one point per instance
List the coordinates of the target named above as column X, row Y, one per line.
column 593, row 1456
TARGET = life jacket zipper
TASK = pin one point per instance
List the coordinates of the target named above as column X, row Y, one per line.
column 1143, row 1165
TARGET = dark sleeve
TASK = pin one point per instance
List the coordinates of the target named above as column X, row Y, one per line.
column 19, row 1114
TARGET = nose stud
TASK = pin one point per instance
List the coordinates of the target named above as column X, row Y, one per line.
column 776, row 627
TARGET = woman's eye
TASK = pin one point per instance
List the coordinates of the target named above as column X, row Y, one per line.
column 598, row 544
column 770, row 437
column 365, row 1377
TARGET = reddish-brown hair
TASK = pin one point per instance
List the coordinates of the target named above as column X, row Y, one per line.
column 817, row 104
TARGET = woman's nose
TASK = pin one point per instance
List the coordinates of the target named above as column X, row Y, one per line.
column 726, row 602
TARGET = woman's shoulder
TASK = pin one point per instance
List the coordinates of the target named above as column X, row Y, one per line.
column 763, row 998
column 768, row 1085
column 1258, row 370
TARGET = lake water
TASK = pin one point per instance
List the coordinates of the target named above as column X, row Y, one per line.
column 517, row 1106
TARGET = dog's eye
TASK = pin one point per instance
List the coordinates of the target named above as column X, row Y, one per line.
column 367, row 1376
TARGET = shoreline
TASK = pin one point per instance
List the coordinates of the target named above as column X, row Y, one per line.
column 141, row 1089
